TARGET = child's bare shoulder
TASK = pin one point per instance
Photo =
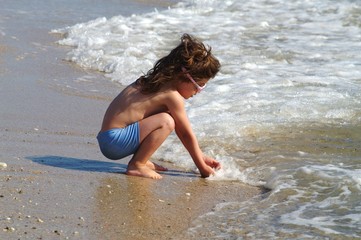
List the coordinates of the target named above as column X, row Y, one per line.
column 174, row 99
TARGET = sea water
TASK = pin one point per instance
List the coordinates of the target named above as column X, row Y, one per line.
column 284, row 113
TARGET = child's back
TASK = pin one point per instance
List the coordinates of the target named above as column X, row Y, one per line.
column 131, row 105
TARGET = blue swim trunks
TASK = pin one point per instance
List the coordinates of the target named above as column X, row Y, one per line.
column 118, row 143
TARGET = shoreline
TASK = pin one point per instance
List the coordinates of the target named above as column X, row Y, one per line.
column 57, row 185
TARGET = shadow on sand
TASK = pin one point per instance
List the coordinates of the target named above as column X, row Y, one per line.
column 90, row 165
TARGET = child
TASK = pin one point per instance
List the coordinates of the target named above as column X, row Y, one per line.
column 142, row 116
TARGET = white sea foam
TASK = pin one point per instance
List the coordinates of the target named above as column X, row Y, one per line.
column 292, row 207
column 126, row 47
column 231, row 171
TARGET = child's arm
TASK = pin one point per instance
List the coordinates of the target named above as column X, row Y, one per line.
column 185, row 133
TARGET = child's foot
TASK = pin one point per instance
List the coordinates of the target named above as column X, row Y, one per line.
column 143, row 171
column 155, row 166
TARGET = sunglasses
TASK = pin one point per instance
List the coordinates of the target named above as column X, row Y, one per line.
column 199, row 88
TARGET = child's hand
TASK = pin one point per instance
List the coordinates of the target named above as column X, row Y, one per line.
column 211, row 162
column 206, row 172
column 211, row 166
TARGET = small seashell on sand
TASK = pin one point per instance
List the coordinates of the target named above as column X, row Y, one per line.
column 3, row 165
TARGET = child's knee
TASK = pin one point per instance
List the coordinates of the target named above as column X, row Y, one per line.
column 168, row 121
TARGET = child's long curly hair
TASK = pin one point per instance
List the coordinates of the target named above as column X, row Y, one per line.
column 191, row 54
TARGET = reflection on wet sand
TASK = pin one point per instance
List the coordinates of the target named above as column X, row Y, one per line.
column 140, row 208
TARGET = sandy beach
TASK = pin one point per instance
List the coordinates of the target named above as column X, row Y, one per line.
column 57, row 185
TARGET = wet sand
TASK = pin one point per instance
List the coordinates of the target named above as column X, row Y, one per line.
column 57, row 185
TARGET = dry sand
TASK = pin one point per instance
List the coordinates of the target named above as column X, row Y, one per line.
column 56, row 184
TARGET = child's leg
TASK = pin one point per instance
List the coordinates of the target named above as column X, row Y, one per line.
column 153, row 131
column 155, row 166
